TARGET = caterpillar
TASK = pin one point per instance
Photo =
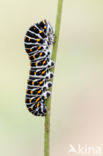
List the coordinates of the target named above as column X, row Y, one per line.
column 37, row 41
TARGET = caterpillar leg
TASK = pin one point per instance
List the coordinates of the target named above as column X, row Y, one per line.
column 41, row 110
column 38, row 109
column 50, row 75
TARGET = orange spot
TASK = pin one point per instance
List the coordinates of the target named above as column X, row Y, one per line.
column 28, row 39
column 40, row 54
column 40, row 32
column 32, row 82
column 34, row 57
column 36, row 64
column 31, row 92
column 37, row 99
column 39, row 91
column 44, row 21
column 38, row 104
column 39, row 48
column 43, row 62
column 45, row 27
column 30, row 49
column 29, row 100
column 41, row 82
column 38, row 40
column 31, row 108
column 43, row 72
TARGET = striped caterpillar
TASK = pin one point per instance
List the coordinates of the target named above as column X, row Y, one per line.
column 37, row 41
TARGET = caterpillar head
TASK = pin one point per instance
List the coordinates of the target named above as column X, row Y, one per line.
column 48, row 30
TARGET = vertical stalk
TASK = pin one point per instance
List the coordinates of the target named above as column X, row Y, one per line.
column 55, row 46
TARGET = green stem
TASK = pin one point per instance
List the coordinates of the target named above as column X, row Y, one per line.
column 55, row 46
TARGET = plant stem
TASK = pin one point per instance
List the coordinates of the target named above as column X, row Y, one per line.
column 48, row 103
